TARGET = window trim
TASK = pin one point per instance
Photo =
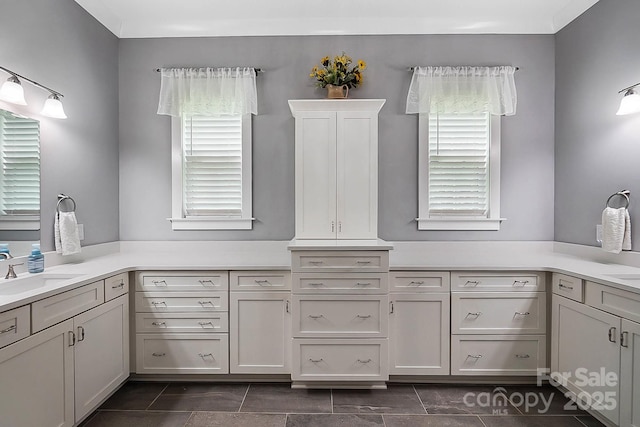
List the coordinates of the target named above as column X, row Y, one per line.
column 178, row 219
column 492, row 221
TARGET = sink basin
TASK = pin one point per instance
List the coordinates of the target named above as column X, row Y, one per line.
column 30, row 283
column 628, row 277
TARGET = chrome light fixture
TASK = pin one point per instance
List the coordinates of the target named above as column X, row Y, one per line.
column 12, row 91
column 630, row 101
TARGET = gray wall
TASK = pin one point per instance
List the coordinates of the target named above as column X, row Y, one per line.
column 59, row 45
column 597, row 152
column 527, row 150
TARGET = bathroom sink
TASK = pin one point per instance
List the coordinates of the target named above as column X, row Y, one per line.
column 626, row 277
column 30, row 283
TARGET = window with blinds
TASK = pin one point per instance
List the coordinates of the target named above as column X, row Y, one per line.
column 212, row 162
column 20, row 156
column 459, row 146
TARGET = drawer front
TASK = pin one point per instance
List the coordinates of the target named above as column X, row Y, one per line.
column 317, row 316
column 14, row 325
column 497, row 355
column 518, row 282
column 182, row 322
column 370, row 261
column 340, row 360
column 115, row 286
column 162, row 302
column 420, row 281
column 163, row 281
column 612, row 300
column 55, row 309
column 498, row 313
column 361, row 283
column 182, row 354
column 568, row 287
column 260, row 280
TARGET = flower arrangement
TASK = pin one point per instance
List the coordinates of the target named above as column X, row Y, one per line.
column 338, row 72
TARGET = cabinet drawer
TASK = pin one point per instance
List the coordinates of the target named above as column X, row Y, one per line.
column 497, row 281
column 182, row 322
column 612, row 300
column 370, row 261
column 162, row 302
column 335, row 316
column 567, row 286
column 115, row 286
column 260, row 280
column 497, row 354
column 49, row 311
column 498, row 313
column 361, row 283
column 182, row 354
column 14, row 325
column 163, row 281
column 420, row 281
column 340, row 360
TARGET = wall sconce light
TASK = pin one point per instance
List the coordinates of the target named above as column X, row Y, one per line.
column 630, row 101
column 12, row 91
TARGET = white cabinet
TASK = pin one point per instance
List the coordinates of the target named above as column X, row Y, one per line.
column 630, row 381
column 336, row 182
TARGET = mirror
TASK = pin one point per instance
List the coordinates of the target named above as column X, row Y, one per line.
column 19, row 182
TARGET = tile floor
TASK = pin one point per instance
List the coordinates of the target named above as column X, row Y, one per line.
column 146, row 404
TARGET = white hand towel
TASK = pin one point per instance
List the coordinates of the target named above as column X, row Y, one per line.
column 67, row 239
column 616, row 230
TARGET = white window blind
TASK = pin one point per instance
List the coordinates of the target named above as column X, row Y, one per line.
column 212, row 166
column 20, row 152
column 459, row 156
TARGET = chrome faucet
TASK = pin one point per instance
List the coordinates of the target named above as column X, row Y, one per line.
column 11, row 274
column 6, row 255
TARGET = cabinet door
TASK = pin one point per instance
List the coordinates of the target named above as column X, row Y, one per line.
column 630, row 382
column 315, row 175
column 37, row 380
column 419, row 334
column 584, row 350
column 101, row 353
column 260, row 333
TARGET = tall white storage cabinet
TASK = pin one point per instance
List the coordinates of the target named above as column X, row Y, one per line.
column 336, row 168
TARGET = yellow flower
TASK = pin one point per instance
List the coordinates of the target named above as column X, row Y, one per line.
column 325, row 61
column 361, row 64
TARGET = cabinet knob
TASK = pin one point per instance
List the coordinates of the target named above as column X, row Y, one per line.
column 316, row 316
column 363, row 361
column 203, row 355
column 121, row 285
column 9, row 329
column 365, row 316
column 160, row 282
column 80, row 333
column 263, row 282
column 517, row 313
column 474, row 356
column 612, row 334
column 203, row 324
column 520, row 283
column 209, row 281
column 315, row 360
column 522, row 356
column 472, row 283
column 476, row 315
column 158, row 354
column 158, row 324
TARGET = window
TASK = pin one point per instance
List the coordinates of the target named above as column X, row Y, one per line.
column 211, row 172
column 20, row 177
column 459, row 175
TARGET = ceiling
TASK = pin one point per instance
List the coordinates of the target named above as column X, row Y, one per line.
column 201, row 18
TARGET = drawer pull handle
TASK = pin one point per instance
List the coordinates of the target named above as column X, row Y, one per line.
column 72, row 339
column 205, row 303
column 520, row 283
column 9, row 329
column 158, row 323
column 474, row 356
column 316, row 360
column 366, row 316
column 526, row 313
column 158, row 354
column 316, row 262
column 209, row 281
column 363, row 262
column 363, row 284
column 316, row 316
column 414, row 283
column 287, row 306
column 522, row 356
column 472, row 283
column 159, row 282
column 80, row 333
column 316, row 284
column 477, row 314
column 562, row 286
column 206, row 355
column 121, row 285
column 157, row 303
column 612, row 334
column 203, row 324
column 624, row 338
column 263, row 282
column 364, row 361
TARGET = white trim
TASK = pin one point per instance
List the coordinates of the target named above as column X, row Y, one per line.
column 485, row 224
column 211, row 223
column 14, row 222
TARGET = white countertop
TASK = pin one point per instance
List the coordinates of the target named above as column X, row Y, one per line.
column 107, row 260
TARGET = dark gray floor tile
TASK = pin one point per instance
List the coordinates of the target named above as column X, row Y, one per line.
column 453, row 400
column 138, row 419
column 396, row 399
column 432, row 421
column 589, row 421
column 531, row 421
column 201, row 397
column 222, row 419
column 541, row 400
column 281, row 398
column 334, row 420
column 134, row 396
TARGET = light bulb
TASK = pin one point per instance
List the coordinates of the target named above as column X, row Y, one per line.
column 53, row 107
column 12, row 91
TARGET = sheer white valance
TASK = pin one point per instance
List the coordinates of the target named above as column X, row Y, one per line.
column 463, row 90
column 208, row 91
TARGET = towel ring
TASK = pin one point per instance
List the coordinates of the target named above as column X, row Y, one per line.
column 623, row 193
column 62, row 198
